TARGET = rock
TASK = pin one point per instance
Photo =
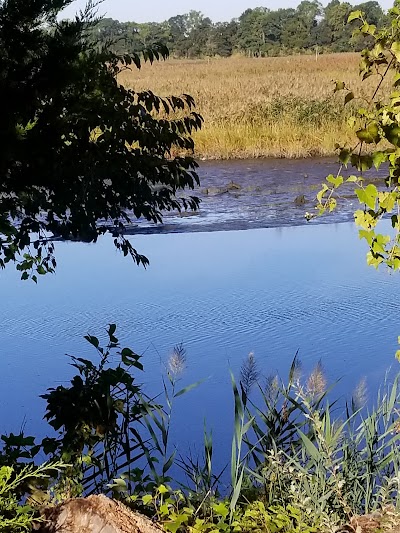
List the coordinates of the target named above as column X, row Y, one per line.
column 300, row 200
column 214, row 191
column 232, row 186
column 184, row 214
column 95, row 514
column 366, row 524
column 370, row 523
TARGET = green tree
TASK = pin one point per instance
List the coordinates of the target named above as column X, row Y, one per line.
column 373, row 14
column 299, row 31
column 257, row 32
column 333, row 30
column 178, row 27
column 108, row 29
column 275, row 23
column 153, row 33
column 120, row 37
column 251, row 33
column 222, row 39
column 199, row 32
column 80, row 154
column 376, row 126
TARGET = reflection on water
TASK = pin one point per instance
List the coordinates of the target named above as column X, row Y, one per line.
column 223, row 294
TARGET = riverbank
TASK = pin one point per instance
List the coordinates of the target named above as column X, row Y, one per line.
column 261, row 107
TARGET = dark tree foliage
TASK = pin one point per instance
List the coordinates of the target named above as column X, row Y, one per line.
column 257, row 32
column 81, row 154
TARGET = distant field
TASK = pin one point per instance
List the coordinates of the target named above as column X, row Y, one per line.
column 272, row 107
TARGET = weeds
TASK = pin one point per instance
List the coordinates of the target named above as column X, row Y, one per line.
column 14, row 517
column 298, row 460
column 157, row 418
column 343, row 463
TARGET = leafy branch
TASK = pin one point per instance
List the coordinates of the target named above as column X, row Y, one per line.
column 376, row 127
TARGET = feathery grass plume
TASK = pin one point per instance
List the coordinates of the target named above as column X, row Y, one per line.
column 177, row 360
column 360, row 395
column 271, row 386
column 296, row 370
column 316, row 383
column 396, row 422
column 249, row 373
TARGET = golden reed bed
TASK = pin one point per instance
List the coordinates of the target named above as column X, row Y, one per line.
column 270, row 107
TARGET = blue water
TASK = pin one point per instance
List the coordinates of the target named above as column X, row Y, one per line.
column 270, row 285
column 222, row 294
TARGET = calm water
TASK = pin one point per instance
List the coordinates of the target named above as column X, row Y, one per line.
column 223, row 294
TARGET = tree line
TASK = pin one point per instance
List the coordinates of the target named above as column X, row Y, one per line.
column 257, row 32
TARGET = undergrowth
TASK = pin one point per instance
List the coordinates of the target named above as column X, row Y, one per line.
column 299, row 461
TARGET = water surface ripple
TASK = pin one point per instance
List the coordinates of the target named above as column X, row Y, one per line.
column 274, row 291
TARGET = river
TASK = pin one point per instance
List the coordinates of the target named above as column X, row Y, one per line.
column 245, row 274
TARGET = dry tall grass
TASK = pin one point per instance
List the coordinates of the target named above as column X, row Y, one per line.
column 272, row 107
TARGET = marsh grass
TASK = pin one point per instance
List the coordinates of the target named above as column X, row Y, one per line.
column 291, row 444
column 334, row 461
column 269, row 107
column 294, row 448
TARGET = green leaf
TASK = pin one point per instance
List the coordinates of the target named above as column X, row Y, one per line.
column 332, row 204
column 164, row 510
column 368, row 195
column 354, row 15
column 322, row 192
column 172, row 526
column 396, row 79
column 370, row 134
column 395, row 49
column 349, row 97
column 221, row 509
column 373, row 260
column 188, row 388
column 368, row 29
column 236, row 492
column 41, row 270
column 387, row 200
column 118, row 485
column 364, row 220
column 167, row 465
column 335, row 181
column 310, row 447
column 378, row 158
column 162, row 489
column 147, row 499
column 248, row 425
column 368, row 235
column 339, row 86
column 130, row 358
column 392, row 134
column 344, row 156
column 361, row 162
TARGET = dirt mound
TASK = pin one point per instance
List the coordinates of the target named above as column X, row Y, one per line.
column 385, row 521
column 95, row 514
